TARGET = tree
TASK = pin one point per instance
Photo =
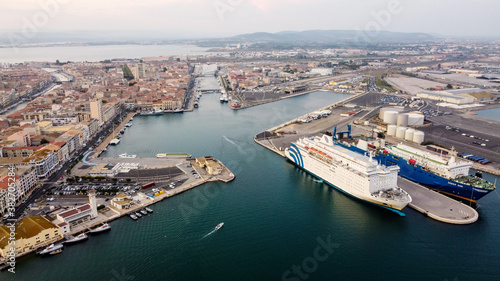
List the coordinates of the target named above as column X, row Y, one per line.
column 44, row 141
column 449, row 86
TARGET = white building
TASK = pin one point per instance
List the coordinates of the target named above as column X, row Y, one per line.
column 45, row 161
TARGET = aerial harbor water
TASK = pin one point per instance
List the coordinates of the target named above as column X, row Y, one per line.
column 275, row 217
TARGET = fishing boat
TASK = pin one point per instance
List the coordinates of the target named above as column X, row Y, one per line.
column 149, row 210
column 79, row 238
column 132, row 216
column 101, row 228
column 56, row 252
column 144, row 212
column 51, row 248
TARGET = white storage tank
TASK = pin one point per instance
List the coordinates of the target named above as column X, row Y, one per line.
column 391, row 117
column 418, row 137
column 382, row 111
column 402, row 120
column 400, row 132
column 409, row 134
column 415, row 119
column 391, row 130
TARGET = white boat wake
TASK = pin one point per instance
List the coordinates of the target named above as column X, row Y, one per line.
column 208, row 234
column 232, row 142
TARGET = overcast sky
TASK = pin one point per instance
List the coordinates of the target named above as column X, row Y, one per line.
column 216, row 18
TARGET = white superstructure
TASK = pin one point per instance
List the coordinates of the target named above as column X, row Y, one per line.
column 349, row 171
column 447, row 168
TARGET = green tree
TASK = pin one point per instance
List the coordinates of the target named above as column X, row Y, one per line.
column 449, row 86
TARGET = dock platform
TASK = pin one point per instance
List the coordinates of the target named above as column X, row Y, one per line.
column 436, row 205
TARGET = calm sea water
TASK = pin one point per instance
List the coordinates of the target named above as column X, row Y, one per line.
column 493, row 113
column 95, row 53
column 275, row 216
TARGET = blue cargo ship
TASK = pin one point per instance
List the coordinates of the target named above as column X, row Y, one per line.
column 449, row 176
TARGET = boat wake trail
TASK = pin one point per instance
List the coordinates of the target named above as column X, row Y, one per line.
column 208, row 234
column 232, row 142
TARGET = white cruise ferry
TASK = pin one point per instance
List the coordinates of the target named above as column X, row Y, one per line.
column 353, row 173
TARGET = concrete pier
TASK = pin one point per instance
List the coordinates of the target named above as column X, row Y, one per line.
column 436, row 205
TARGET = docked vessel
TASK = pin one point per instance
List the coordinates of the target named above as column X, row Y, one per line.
column 129, row 124
column 125, row 155
column 178, row 110
column 144, row 212
column 149, row 209
column 114, row 141
column 137, row 214
column 51, row 248
column 353, row 173
column 448, row 175
column 161, row 155
column 132, row 216
column 155, row 111
column 79, row 238
column 101, row 228
column 219, row 226
column 223, row 98
column 56, row 252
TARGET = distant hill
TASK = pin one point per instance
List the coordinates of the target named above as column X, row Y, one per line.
column 332, row 36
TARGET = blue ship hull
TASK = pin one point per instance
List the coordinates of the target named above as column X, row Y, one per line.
column 417, row 174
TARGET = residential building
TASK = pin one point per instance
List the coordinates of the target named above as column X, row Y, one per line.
column 22, row 138
column 96, row 110
column 45, row 161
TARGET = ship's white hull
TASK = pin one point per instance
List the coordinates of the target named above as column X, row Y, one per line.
column 342, row 177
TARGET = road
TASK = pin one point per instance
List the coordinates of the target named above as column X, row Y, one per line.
column 47, row 183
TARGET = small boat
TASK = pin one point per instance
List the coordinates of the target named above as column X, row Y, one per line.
column 122, row 131
column 219, row 226
column 161, row 155
column 132, row 216
column 125, row 155
column 149, row 210
column 114, row 141
column 101, row 228
column 138, row 214
column 144, row 212
column 178, row 110
column 76, row 239
column 56, row 252
column 51, row 248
